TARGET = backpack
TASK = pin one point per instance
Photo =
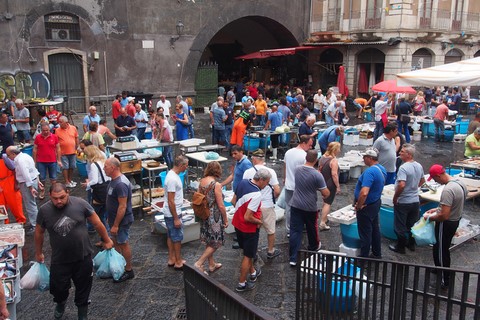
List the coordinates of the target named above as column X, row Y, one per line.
column 200, row 203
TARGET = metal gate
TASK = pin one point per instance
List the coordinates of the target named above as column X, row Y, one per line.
column 66, row 76
column 206, row 85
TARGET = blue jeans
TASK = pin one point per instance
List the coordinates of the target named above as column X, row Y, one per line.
column 260, row 120
column 369, row 229
column 228, row 134
column 29, row 203
column 378, row 130
column 51, row 167
column 141, row 133
column 439, row 128
column 191, row 133
column 219, row 137
column 167, row 155
column 299, row 218
column 403, row 128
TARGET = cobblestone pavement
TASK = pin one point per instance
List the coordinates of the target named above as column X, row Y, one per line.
column 157, row 291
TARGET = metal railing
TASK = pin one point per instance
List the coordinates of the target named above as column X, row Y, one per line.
column 331, row 286
column 207, row 298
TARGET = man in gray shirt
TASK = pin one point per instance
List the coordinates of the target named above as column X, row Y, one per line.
column 22, row 121
column 406, row 202
column 447, row 217
column 304, row 205
column 387, row 151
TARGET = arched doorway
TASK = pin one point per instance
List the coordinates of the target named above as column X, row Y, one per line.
column 454, row 55
column 477, row 54
column 330, row 61
column 236, row 39
column 422, row 58
column 371, row 65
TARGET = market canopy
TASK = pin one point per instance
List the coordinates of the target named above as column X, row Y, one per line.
column 391, row 86
column 461, row 73
column 262, row 54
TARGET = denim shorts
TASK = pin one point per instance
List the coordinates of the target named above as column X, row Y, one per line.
column 123, row 234
column 23, row 135
column 69, row 161
column 51, row 167
column 175, row 234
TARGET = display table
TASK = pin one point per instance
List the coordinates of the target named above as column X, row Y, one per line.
column 191, row 228
column 190, row 145
column 152, row 176
column 473, row 188
column 199, row 159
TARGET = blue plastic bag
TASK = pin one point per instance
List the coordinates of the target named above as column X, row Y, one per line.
column 44, row 274
column 424, row 232
column 103, row 269
column 99, row 259
column 117, row 264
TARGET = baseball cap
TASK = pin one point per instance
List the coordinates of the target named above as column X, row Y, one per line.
column 436, row 170
column 130, row 99
column 371, row 152
column 382, row 94
column 258, row 153
column 275, row 103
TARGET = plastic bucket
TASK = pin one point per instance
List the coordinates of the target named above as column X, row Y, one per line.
column 417, row 135
column 163, row 175
column 82, row 169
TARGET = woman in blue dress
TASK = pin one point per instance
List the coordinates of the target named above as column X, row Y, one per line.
column 180, row 119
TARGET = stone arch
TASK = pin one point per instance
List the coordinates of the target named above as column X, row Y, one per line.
column 39, row 11
column 370, row 69
column 422, row 58
column 454, row 55
column 204, row 36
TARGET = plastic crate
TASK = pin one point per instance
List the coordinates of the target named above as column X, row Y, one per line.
column 251, row 143
column 350, row 237
column 82, row 169
column 386, row 223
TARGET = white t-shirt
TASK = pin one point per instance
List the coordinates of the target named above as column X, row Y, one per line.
column 267, row 193
column 166, row 107
column 293, row 159
column 318, row 100
column 173, row 184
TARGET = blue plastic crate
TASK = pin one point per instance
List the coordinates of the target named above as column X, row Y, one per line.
column 251, row 143
column 462, row 126
column 350, row 237
column 341, row 296
column 449, row 135
column 82, row 169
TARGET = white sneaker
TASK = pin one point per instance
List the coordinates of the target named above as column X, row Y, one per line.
column 273, row 158
column 73, row 183
column 70, row 185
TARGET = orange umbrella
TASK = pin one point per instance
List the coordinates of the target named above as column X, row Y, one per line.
column 391, row 86
column 341, row 81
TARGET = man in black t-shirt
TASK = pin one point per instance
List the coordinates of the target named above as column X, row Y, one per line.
column 124, row 125
column 65, row 218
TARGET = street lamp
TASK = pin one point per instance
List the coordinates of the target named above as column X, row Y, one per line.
column 179, row 27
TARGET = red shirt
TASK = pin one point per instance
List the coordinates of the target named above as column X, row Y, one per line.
column 116, row 106
column 131, row 110
column 53, row 115
column 46, row 148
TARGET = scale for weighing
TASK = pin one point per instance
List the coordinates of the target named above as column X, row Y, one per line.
column 124, row 143
column 128, row 162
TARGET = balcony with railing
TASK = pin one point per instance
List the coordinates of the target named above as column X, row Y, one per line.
column 371, row 20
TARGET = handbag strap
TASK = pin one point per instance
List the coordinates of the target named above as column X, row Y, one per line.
column 100, row 170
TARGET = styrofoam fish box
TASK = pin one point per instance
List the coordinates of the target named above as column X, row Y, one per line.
column 366, row 142
column 351, row 252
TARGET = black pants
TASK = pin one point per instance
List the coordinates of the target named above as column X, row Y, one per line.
column 405, row 216
column 80, row 272
column 369, row 229
column 444, row 232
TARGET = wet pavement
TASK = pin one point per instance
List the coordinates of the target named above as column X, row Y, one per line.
column 157, row 291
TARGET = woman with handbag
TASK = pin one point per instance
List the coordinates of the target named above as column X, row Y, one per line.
column 212, row 229
column 97, row 183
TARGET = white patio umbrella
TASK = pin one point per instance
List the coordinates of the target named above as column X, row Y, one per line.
column 461, row 73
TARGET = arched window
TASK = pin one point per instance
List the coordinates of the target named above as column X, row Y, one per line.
column 453, row 55
column 62, row 27
column 422, row 58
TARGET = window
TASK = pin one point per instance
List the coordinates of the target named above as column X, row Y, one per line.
column 425, row 8
column 373, row 14
column 457, row 15
column 62, row 27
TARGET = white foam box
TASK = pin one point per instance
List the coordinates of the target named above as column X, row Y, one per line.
column 230, row 211
column 366, row 142
column 191, row 232
column 351, row 252
column 387, row 195
column 355, row 172
column 460, row 138
column 351, row 139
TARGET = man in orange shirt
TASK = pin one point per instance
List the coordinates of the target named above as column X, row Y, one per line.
column 68, row 140
column 360, row 104
column 261, row 110
column 9, row 195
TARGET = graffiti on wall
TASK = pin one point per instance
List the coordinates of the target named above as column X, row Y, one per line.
column 25, row 85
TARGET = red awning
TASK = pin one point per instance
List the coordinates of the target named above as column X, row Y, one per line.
column 262, row 54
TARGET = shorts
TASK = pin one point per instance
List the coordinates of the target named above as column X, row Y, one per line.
column 248, row 242
column 23, row 135
column 69, row 161
column 123, row 234
column 175, row 234
column 51, row 167
column 269, row 219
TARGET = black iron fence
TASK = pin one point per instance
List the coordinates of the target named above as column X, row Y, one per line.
column 207, row 298
column 332, row 286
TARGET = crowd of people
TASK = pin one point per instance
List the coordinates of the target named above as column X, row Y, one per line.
column 107, row 209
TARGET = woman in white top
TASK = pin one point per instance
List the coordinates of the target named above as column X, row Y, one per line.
column 96, row 176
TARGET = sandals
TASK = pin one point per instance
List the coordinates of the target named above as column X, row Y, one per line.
column 215, row 267
column 200, row 268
